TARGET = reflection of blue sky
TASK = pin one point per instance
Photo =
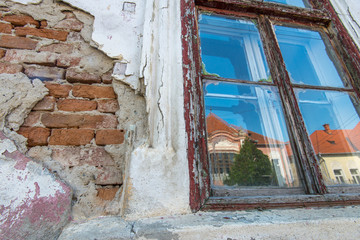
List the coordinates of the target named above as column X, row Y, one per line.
column 306, row 58
column 232, row 49
column 321, row 107
column 297, row 3
column 253, row 108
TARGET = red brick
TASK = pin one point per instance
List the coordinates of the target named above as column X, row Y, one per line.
column 27, row 56
column 44, row 73
column 37, row 136
column 67, row 156
column 73, row 76
column 107, row 194
column 109, row 175
column 96, row 156
column 44, row 33
column 10, row 68
column 75, row 156
column 32, row 119
column 91, row 92
column 70, row 23
column 62, row 48
column 43, row 24
column 58, row 90
column 106, row 78
column 76, row 105
column 109, row 136
column 20, row 20
column 8, row 41
column 75, row 137
column 59, row 120
column 66, row 61
column 5, row 28
column 2, row 53
column 108, row 105
column 47, row 104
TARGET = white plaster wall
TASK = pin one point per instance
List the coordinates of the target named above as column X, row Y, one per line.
column 349, row 13
column 118, row 32
column 147, row 43
column 158, row 180
column 27, row 1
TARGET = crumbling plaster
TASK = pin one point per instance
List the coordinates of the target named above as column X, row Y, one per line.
column 349, row 13
column 311, row 223
column 34, row 204
column 156, row 181
column 117, row 32
column 156, row 178
column 157, row 174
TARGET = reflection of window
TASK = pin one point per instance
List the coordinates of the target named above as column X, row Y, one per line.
column 339, row 176
column 355, row 175
column 275, row 94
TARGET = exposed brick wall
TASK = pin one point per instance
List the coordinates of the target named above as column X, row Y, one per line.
column 76, row 120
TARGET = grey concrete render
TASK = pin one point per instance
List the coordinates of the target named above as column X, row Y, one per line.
column 304, row 223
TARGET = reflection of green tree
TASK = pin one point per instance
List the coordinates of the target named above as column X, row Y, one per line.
column 251, row 167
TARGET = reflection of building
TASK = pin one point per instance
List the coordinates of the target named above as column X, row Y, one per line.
column 224, row 141
column 338, row 153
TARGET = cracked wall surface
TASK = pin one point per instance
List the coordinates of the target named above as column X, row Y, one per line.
column 349, row 13
column 102, row 109
column 70, row 115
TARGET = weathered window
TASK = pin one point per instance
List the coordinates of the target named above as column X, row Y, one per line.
column 281, row 109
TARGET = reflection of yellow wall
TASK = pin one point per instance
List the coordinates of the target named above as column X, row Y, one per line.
column 345, row 163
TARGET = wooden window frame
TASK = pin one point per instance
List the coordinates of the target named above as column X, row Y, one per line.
column 322, row 17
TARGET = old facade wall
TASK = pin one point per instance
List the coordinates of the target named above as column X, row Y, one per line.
column 84, row 123
column 109, row 121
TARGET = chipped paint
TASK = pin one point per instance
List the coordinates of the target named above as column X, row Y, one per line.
column 39, row 202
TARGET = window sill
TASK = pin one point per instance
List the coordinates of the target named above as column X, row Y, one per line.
column 286, row 201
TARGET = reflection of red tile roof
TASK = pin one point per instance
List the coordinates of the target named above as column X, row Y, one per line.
column 215, row 124
column 336, row 141
column 261, row 139
column 354, row 136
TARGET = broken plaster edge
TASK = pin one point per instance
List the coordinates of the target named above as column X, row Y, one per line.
column 301, row 223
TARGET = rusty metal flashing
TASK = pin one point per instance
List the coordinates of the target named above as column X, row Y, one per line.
column 323, row 17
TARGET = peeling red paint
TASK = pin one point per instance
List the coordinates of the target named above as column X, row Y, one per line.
column 194, row 118
column 34, row 214
column 323, row 17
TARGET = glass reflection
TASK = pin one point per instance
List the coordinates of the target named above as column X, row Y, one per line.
column 247, row 139
column 306, row 57
column 332, row 121
column 231, row 48
column 297, row 3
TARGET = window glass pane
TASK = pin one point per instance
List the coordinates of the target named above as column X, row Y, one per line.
column 306, row 57
column 231, row 48
column 297, row 3
column 332, row 121
column 246, row 124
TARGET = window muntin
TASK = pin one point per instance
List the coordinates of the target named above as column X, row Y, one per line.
column 355, row 175
column 297, row 3
column 231, row 48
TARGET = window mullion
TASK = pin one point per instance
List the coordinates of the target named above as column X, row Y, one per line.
column 301, row 144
